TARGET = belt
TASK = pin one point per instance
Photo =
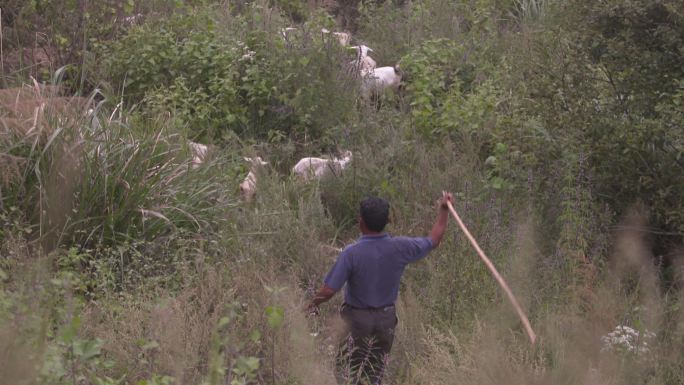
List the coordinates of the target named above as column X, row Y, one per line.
column 381, row 308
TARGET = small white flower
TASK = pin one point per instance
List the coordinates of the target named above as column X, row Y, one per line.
column 626, row 339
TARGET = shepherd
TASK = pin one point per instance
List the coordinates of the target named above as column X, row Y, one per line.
column 371, row 268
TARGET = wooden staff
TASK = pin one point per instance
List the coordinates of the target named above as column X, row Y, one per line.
column 497, row 276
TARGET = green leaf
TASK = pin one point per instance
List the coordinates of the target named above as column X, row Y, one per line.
column 69, row 332
column 497, row 183
column 275, row 316
column 255, row 336
column 500, row 148
column 87, row 349
column 129, row 6
column 223, row 322
column 150, row 345
column 246, row 366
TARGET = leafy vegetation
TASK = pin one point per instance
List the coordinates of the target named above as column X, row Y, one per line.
column 558, row 125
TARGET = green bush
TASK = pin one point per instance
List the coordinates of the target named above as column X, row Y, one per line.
column 255, row 87
column 580, row 108
column 438, row 75
column 637, row 47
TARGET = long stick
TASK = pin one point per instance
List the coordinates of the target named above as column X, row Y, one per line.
column 497, row 276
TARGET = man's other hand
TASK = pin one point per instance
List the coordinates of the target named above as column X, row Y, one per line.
column 312, row 310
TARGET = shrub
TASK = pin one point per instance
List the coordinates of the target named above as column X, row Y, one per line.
column 437, row 77
column 256, row 87
column 579, row 113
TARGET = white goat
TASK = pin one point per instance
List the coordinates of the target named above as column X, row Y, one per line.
column 342, row 37
column 249, row 56
column 286, row 32
column 198, row 152
column 248, row 185
column 379, row 80
column 363, row 64
column 133, row 19
column 317, row 168
column 362, row 50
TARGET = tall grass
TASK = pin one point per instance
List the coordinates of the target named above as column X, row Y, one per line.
column 96, row 182
column 109, row 181
column 570, row 350
column 454, row 326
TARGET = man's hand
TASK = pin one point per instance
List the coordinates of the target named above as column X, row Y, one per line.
column 442, row 218
column 447, row 197
column 324, row 294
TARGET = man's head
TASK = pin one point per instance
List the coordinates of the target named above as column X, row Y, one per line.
column 374, row 213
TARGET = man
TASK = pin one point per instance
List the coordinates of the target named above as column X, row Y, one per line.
column 372, row 269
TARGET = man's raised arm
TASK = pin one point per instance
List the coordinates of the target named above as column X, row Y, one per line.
column 441, row 223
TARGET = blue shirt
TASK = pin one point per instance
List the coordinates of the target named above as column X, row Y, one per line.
column 372, row 268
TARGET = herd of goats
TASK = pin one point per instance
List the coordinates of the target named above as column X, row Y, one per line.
column 25, row 106
column 374, row 81
column 306, row 169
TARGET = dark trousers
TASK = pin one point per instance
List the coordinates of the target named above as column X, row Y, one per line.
column 364, row 353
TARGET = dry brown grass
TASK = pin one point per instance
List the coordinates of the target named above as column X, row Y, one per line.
column 10, row 96
column 181, row 327
column 57, row 105
column 62, row 182
column 160, row 333
column 281, row 241
column 278, row 244
column 17, row 359
column 11, row 168
column 35, row 112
